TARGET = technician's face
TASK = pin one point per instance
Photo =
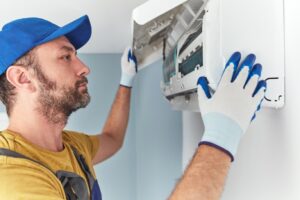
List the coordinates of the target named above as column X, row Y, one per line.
column 61, row 78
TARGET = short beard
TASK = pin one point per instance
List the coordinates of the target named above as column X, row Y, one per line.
column 56, row 105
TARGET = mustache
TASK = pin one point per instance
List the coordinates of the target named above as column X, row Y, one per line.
column 81, row 81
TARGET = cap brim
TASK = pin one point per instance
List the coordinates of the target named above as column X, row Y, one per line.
column 78, row 32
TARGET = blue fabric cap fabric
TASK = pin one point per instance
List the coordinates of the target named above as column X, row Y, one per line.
column 21, row 35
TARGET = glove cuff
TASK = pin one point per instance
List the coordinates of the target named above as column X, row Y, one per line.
column 126, row 80
column 221, row 132
column 218, row 147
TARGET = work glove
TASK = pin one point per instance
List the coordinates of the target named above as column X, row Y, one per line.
column 129, row 68
column 229, row 111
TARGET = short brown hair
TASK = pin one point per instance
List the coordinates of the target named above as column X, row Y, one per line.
column 7, row 90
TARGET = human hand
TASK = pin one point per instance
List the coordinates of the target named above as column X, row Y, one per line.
column 129, row 68
column 228, row 112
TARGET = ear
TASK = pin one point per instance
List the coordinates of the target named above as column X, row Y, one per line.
column 20, row 78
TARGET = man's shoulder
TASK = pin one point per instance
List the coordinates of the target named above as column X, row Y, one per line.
column 6, row 140
column 76, row 139
column 85, row 144
column 17, row 174
column 24, row 179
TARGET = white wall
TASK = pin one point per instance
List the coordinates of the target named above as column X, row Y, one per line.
column 158, row 138
column 268, row 161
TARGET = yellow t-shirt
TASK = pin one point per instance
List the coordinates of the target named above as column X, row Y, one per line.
column 25, row 179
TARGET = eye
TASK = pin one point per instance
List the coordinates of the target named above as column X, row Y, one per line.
column 66, row 57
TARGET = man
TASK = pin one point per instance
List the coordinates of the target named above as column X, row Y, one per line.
column 42, row 82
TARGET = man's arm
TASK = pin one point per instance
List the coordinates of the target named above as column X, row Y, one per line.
column 226, row 116
column 114, row 130
column 112, row 137
column 205, row 176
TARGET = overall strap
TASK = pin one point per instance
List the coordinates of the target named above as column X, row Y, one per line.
column 85, row 168
column 10, row 153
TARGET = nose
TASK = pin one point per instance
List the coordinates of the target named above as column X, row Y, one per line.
column 83, row 70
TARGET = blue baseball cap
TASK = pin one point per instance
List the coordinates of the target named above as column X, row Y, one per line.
column 21, row 35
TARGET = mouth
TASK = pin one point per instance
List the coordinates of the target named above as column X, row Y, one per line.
column 82, row 88
column 82, row 83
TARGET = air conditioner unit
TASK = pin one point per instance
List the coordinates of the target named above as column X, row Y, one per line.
column 196, row 37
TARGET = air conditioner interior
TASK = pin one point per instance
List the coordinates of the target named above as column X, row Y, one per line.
column 163, row 33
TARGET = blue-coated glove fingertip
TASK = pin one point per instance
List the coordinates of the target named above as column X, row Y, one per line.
column 259, row 107
column 203, row 82
column 253, row 117
column 135, row 62
column 261, row 84
column 132, row 57
column 252, row 57
column 129, row 55
column 234, row 58
column 256, row 70
column 247, row 62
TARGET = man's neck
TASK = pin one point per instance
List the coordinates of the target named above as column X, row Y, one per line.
column 37, row 130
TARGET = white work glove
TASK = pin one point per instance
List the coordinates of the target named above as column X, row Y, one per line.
column 129, row 68
column 228, row 113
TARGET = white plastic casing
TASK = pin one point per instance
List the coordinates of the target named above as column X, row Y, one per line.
column 248, row 26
